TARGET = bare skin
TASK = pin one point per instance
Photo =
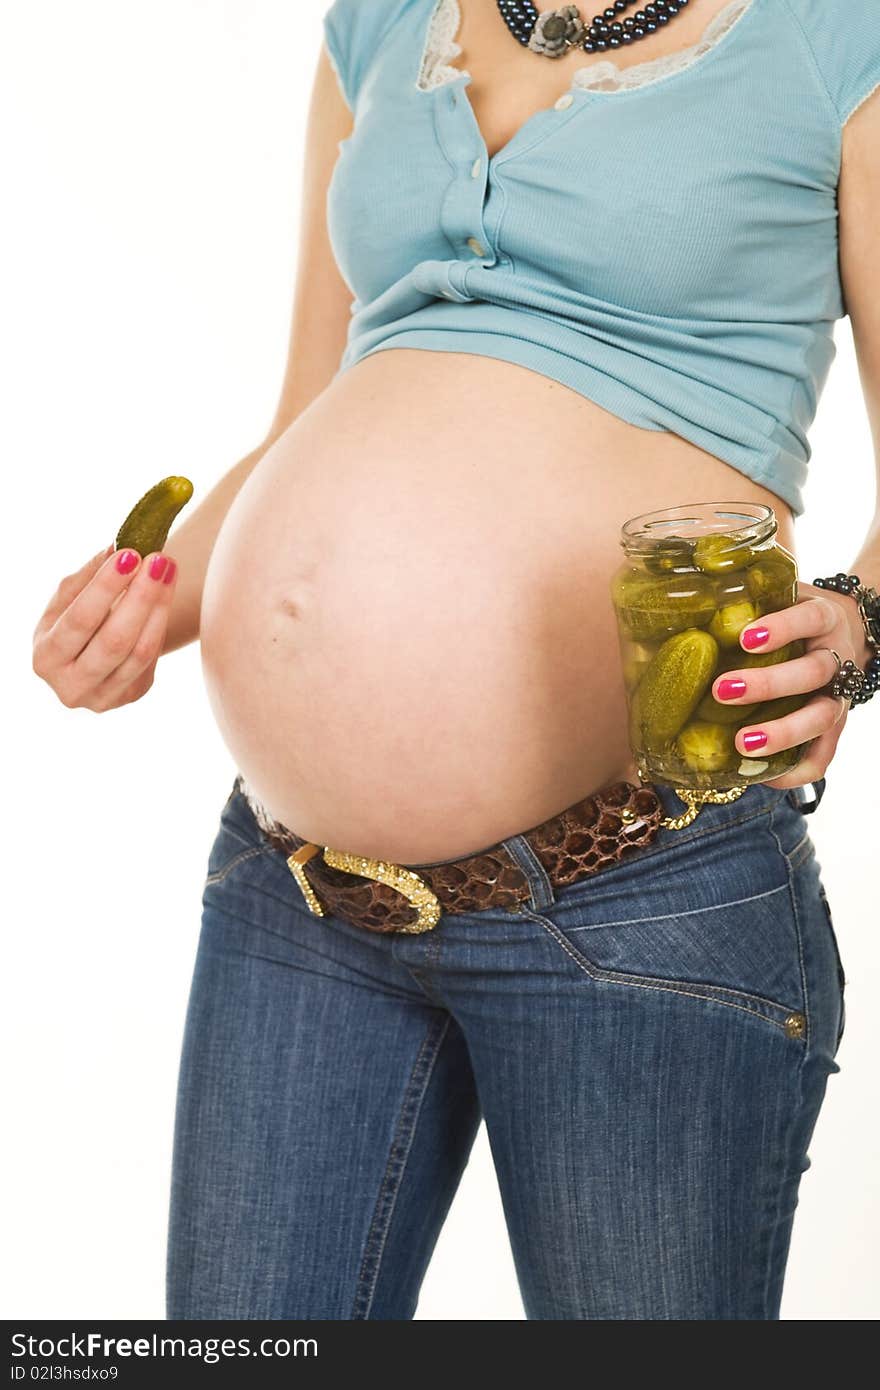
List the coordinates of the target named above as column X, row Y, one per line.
column 409, row 655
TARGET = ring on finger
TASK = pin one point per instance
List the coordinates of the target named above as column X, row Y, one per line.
column 848, row 680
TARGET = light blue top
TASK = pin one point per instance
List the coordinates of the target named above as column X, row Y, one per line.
column 667, row 249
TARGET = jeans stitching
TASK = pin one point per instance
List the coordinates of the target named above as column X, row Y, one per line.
column 790, row 855
column 423, row 981
column 219, row 874
column 690, row 989
column 396, row 1166
column 805, row 993
column 537, row 879
column 688, row 912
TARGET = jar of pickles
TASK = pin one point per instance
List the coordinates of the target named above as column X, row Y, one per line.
column 694, row 576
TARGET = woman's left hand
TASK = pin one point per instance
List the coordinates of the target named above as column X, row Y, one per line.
column 824, row 620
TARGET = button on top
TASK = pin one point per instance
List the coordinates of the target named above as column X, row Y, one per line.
column 475, row 168
column 564, row 102
column 477, row 247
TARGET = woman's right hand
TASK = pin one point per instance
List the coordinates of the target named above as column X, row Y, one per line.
column 102, row 632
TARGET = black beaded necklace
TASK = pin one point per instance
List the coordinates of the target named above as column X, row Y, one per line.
column 552, row 32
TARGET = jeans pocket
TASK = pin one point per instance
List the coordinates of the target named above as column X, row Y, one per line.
column 742, row 955
column 711, row 919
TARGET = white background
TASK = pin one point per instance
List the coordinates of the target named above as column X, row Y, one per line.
column 150, row 173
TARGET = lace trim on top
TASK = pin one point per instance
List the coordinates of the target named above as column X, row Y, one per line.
column 604, row 75
column 440, row 47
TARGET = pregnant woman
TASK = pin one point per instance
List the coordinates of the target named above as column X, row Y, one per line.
column 556, row 270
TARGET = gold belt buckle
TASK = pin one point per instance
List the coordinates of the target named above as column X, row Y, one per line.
column 405, row 881
column 694, row 801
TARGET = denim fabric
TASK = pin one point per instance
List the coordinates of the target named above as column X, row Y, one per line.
column 627, row 1039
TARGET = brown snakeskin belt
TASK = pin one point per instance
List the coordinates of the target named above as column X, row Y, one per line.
column 380, row 896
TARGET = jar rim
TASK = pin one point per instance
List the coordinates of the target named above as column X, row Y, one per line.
column 648, row 526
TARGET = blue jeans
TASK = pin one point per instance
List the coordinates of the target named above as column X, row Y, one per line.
column 649, row 1049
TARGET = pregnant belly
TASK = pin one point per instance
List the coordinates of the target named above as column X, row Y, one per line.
column 406, row 633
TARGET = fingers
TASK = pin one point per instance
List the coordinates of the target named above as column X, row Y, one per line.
column 818, row 716
column 814, row 763
column 134, row 674
column 67, row 590
column 752, row 684
column 129, row 637
column 818, row 617
column 819, row 622
column 86, row 609
column 821, row 625
column 121, row 631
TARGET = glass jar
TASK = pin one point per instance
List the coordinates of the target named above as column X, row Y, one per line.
column 694, row 576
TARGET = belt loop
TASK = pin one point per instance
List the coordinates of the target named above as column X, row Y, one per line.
column 540, row 887
column 803, row 805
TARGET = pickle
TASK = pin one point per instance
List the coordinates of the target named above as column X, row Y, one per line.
column 655, row 608
column 729, row 621
column 716, row 554
column 773, row 581
column 670, row 553
column 146, row 527
column 732, row 588
column 671, row 688
column 775, row 600
column 707, row 747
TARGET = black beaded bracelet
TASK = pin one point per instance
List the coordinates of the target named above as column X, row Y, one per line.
column 865, row 686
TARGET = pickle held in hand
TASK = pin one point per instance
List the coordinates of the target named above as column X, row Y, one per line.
column 146, row 527
column 693, row 578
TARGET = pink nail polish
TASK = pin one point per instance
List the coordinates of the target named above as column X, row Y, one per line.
column 730, row 689
column 757, row 739
column 158, row 566
column 755, row 637
column 170, row 572
column 127, row 560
